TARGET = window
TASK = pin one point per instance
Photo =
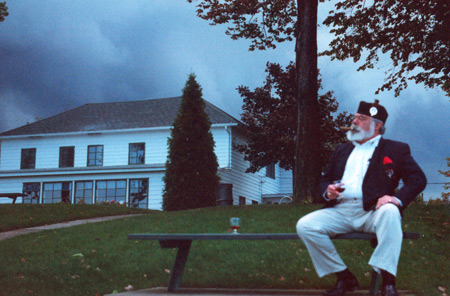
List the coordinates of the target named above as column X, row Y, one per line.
column 111, row 191
column 139, row 193
column 270, row 170
column 66, row 157
column 95, row 155
column 32, row 191
column 28, row 159
column 137, row 153
column 242, row 200
column 84, row 192
column 57, row 192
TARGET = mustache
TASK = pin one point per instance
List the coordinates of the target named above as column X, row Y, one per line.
column 355, row 128
column 352, row 128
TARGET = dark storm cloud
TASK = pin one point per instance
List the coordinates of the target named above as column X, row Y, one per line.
column 424, row 123
column 75, row 52
column 58, row 54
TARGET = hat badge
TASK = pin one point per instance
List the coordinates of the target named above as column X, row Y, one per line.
column 373, row 111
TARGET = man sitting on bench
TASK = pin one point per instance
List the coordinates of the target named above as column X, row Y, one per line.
column 359, row 187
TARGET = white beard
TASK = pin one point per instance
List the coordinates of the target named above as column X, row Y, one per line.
column 361, row 135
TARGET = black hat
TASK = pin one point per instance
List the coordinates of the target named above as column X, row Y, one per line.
column 374, row 110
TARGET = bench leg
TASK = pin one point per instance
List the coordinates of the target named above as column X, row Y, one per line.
column 376, row 277
column 374, row 283
column 178, row 267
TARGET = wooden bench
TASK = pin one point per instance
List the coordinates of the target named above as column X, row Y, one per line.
column 183, row 243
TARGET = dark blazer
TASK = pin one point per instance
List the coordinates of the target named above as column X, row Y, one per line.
column 391, row 162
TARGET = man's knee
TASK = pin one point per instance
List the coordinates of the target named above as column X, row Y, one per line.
column 301, row 227
column 306, row 225
column 389, row 210
column 389, row 215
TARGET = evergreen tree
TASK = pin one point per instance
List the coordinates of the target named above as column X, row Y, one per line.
column 191, row 178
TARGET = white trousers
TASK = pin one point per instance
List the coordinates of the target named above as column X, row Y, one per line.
column 316, row 228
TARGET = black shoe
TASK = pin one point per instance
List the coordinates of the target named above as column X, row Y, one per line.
column 389, row 290
column 342, row 286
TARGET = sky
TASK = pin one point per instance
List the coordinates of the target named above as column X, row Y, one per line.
column 56, row 55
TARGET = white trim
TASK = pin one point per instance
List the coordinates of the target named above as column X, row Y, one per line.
column 230, row 146
column 97, row 132
column 83, row 170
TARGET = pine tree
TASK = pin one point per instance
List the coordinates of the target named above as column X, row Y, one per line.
column 191, row 177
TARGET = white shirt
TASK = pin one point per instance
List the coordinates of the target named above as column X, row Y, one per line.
column 356, row 167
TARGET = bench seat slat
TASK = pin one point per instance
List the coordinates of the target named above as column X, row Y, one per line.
column 249, row 236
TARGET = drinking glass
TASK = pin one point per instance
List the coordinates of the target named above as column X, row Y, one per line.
column 339, row 187
column 235, row 224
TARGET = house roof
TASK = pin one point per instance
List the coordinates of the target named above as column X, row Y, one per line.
column 116, row 116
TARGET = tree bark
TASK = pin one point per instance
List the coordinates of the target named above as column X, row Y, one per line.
column 307, row 164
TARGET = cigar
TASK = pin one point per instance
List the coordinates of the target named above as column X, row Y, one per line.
column 347, row 128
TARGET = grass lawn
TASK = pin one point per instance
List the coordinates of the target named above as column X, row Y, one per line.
column 95, row 259
column 26, row 215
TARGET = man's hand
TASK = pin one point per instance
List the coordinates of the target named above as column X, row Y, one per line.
column 332, row 192
column 386, row 199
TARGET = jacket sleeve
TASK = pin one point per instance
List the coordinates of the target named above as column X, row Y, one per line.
column 329, row 175
column 414, row 180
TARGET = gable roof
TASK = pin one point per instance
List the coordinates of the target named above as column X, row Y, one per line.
column 116, row 116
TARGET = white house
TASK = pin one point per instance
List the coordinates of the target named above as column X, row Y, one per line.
column 117, row 151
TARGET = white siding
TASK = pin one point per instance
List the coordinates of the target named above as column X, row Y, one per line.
column 271, row 186
column 156, row 151
column 248, row 185
column 285, row 182
column 155, row 191
column 244, row 184
column 253, row 186
column 116, row 147
column 11, row 185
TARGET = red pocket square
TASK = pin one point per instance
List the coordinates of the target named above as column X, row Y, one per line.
column 387, row 161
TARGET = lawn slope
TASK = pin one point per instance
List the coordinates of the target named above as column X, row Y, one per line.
column 97, row 259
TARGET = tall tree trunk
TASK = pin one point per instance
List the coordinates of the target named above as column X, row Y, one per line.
column 307, row 164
